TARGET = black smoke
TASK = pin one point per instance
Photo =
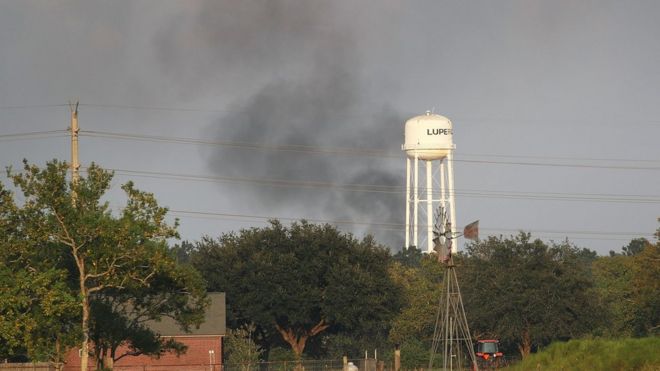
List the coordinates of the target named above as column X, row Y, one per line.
column 303, row 76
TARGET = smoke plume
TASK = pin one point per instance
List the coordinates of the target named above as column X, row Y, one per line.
column 303, row 76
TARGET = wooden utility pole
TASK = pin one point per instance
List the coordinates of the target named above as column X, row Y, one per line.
column 75, row 165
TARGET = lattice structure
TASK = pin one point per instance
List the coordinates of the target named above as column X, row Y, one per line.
column 451, row 339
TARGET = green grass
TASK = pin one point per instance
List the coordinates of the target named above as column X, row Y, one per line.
column 596, row 354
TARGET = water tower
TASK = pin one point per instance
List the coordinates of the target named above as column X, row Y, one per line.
column 429, row 145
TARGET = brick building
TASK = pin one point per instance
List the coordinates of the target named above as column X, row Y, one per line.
column 204, row 345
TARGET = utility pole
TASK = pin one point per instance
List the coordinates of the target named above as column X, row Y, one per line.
column 75, row 165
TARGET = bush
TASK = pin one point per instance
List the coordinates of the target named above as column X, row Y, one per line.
column 596, row 354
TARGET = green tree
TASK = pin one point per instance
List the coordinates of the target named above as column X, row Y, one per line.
column 646, row 291
column 629, row 289
column 527, row 293
column 241, row 349
column 300, row 281
column 36, row 306
column 76, row 231
column 411, row 257
column 612, row 279
column 119, row 316
column 421, row 293
column 634, row 247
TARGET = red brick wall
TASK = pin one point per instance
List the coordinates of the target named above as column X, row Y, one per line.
column 196, row 357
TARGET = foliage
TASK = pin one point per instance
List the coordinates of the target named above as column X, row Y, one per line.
column 612, row 279
column 526, row 293
column 65, row 229
column 596, row 354
column 279, row 354
column 352, row 345
column 629, row 287
column 409, row 257
column 241, row 348
column 414, row 354
column 633, row 248
column 183, row 251
column 119, row 316
column 300, row 281
column 37, row 309
column 421, row 292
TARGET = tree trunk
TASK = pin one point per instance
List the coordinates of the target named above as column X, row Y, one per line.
column 525, row 346
column 108, row 361
column 84, row 349
column 297, row 341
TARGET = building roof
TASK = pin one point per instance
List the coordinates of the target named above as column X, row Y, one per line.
column 214, row 320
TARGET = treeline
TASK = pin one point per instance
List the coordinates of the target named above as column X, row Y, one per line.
column 74, row 273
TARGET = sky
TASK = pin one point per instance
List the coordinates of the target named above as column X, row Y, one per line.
column 234, row 112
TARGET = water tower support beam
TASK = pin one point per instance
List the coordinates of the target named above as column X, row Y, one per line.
column 443, row 191
column 452, row 198
column 416, row 204
column 407, row 245
column 429, row 206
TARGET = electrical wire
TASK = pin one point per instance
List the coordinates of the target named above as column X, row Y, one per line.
column 31, row 106
column 372, row 188
column 32, row 135
column 361, row 152
column 591, row 235
column 355, row 115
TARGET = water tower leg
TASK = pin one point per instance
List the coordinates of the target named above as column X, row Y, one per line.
column 407, row 245
column 416, row 204
column 452, row 198
column 429, row 206
column 443, row 191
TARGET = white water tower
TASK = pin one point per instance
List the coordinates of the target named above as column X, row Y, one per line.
column 429, row 145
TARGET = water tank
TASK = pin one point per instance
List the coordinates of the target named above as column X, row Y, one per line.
column 429, row 137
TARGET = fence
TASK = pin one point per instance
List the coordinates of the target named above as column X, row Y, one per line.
column 304, row 365
column 41, row 366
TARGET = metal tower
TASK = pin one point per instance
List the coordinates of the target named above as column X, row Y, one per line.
column 451, row 337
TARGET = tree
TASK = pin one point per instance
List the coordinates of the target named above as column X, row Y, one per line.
column 634, row 247
column 119, row 316
column 421, row 292
column 646, row 290
column 71, row 229
column 241, row 347
column 300, row 281
column 36, row 306
column 629, row 288
column 527, row 293
column 411, row 257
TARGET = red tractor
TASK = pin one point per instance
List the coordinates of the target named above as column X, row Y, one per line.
column 488, row 354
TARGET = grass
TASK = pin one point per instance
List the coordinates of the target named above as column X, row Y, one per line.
column 596, row 354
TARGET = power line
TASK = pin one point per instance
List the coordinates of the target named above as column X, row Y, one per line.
column 30, row 106
column 244, row 145
column 361, row 152
column 156, row 108
column 286, row 183
column 591, row 235
column 33, row 135
column 457, row 118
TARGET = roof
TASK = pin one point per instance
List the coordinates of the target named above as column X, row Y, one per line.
column 214, row 320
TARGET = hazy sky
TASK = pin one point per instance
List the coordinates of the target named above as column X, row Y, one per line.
column 235, row 111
